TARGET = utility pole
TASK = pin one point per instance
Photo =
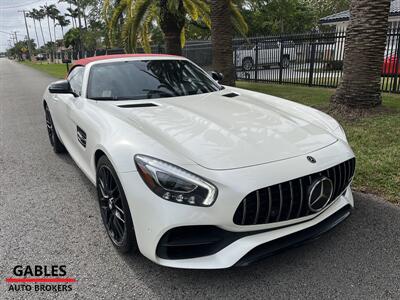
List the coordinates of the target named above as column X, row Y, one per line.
column 27, row 33
column 15, row 36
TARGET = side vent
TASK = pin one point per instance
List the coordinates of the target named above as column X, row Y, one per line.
column 137, row 105
column 81, row 135
column 231, row 95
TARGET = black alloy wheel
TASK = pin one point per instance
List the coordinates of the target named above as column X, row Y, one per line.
column 114, row 207
column 285, row 62
column 55, row 142
column 247, row 63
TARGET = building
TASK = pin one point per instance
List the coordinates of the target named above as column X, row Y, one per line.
column 341, row 19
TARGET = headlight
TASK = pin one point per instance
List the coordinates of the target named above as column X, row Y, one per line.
column 339, row 132
column 175, row 184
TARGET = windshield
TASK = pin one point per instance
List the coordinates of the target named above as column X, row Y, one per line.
column 146, row 79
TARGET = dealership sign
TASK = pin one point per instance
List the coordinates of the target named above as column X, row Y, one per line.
column 38, row 278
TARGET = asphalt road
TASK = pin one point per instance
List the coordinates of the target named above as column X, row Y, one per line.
column 49, row 215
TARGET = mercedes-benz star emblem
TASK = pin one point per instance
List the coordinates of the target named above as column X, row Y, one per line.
column 311, row 159
column 319, row 194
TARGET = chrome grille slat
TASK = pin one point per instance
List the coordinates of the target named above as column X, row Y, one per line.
column 334, row 181
column 344, row 176
column 288, row 200
column 258, row 207
column 350, row 173
column 291, row 200
column 280, row 203
column 301, row 198
column 244, row 212
column 269, row 205
column 340, row 179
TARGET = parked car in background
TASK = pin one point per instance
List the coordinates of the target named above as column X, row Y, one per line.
column 391, row 65
column 268, row 52
column 41, row 57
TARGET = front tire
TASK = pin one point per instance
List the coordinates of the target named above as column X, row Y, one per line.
column 55, row 142
column 114, row 208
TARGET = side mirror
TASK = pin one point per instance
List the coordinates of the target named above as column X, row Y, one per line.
column 61, row 87
column 217, row 76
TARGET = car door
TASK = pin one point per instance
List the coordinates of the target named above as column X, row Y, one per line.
column 268, row 52
column 60, row 107
column 79, row 122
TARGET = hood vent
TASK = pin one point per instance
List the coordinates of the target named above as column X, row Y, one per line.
column 231, row 95
column 137, row 105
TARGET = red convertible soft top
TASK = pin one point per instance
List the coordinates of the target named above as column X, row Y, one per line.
column 85, row 61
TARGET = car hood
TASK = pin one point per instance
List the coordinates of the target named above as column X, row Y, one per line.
column 228, row 129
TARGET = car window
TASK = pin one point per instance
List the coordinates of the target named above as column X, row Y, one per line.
column 75, row 79
column 146, row 79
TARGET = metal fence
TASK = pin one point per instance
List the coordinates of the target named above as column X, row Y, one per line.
column 313, row 59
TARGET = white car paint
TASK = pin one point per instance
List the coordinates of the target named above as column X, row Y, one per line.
column 239, row 144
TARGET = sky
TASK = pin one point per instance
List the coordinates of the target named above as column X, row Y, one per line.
column 12, row 19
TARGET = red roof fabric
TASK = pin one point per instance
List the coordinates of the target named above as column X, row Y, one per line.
column 85, row 61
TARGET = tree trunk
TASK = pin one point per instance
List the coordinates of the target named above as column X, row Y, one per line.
column 172, row 24
column 37, row 38
column 54, row 29
column 221, row 37
column 72, row 18
column 48, row 25
column 41, row 29
column 363, row 55
column 84, row 17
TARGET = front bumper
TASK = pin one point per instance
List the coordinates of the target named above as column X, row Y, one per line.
column 153, row 217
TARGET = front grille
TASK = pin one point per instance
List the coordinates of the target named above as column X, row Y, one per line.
column 289, row 200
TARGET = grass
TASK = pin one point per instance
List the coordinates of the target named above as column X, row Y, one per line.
column 375, row 139
column 55, row 70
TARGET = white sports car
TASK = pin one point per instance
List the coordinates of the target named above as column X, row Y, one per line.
column 194, row 174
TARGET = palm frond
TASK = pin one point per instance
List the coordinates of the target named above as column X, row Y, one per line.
column 134, row 21
column 105, row 10
column 204, row 11
column 116, row 15
column 191, row 9
column 237, row 19
column 144, row 38
column 183, row 37
column 173, row 6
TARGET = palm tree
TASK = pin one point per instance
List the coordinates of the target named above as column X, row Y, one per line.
column 31, row 14
column 72, row 13
column 78, row 11
column 63, row 22
column 225, row 16
column 48, row 10
column 364, row 51
column 40, row 14
column 54, row 14
column 172, row 16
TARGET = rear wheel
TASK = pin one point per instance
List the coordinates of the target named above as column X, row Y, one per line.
column 285, row 62
column 114, row 208
column 55, row 142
